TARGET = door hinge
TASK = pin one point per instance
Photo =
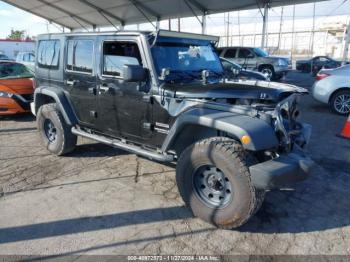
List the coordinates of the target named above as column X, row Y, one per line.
column 93, row 114
column 92, row 90
column 147, row 99
column 148, row 126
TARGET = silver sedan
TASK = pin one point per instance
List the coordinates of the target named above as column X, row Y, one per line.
column 332, row 87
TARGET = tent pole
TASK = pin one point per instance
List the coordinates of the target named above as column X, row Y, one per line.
column 264, row 30
column 204, row 24
column 346, row 45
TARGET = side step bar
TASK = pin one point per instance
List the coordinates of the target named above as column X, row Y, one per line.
column 127, row 147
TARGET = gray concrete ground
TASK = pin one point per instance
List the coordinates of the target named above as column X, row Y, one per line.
column 100, row 200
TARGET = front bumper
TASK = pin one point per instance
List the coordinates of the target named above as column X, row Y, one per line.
column 13, row 105
column 282, row 171
column 280, row 70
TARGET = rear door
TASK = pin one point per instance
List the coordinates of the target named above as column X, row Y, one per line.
column 80, row 78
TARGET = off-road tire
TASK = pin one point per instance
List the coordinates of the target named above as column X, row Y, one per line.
column 227, row 155
column 65, row 141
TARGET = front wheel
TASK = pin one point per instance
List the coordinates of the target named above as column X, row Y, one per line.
column 214, row 181
column 268, row 71
column 54, row 131
column 340, row 102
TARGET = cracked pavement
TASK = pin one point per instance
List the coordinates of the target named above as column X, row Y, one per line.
column 100, row 200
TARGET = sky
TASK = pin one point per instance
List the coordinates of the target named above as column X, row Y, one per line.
column 14, row 18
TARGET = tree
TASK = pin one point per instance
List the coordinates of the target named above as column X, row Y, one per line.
column 17, row 34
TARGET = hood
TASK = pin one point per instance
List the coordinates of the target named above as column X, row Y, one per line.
column 271, row 91
column 17, row 86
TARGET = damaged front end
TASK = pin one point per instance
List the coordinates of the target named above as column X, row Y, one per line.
column 289, row 163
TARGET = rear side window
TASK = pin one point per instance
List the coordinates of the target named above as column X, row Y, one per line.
column 49, row 53
column 80, row 56
column 230, row 53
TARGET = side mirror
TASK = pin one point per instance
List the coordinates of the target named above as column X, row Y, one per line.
column 134, row 73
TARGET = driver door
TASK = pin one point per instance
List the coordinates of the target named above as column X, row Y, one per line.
column 246, row 58
column 124, row 111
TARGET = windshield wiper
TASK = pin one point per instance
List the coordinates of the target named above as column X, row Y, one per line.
column 181, row 75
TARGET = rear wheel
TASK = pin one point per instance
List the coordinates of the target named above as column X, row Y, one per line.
column 340, row 102
column 55, row 133
column 214, row 181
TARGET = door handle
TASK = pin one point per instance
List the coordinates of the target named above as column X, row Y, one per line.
column 104, row 88
column 72, row 82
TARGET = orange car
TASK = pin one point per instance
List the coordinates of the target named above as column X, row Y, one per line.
column 16, row 88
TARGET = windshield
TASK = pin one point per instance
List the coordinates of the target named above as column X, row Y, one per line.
column 13, row 70
column 185, row 57
column 260, row 52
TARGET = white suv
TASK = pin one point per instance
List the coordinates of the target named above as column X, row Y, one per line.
column 27, row 59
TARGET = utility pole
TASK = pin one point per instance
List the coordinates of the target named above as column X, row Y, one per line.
column 179, row 24
column 169, row 24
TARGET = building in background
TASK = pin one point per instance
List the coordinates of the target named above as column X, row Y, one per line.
column 11, row 48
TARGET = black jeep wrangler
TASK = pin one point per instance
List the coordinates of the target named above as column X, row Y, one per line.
column 163, row 95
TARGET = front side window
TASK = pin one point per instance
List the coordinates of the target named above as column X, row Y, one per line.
column 245, row 53
column 80, row 56
column 49, row 53
column 118, row 54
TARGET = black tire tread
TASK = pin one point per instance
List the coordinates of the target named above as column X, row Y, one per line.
column 235, row 151
column 69, row 140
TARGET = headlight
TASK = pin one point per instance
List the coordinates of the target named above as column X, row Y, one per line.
column 282, row 62
column 5, row 95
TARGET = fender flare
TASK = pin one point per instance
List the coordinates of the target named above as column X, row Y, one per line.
column 61, row 100
column 261, row 133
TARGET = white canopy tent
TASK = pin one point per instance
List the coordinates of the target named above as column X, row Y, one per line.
column 90, row 14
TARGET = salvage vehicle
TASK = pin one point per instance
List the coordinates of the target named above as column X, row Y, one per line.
column 16, row 88
column 162, row 95
column 256, row 59
column 332, row 87
column 234, row 71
